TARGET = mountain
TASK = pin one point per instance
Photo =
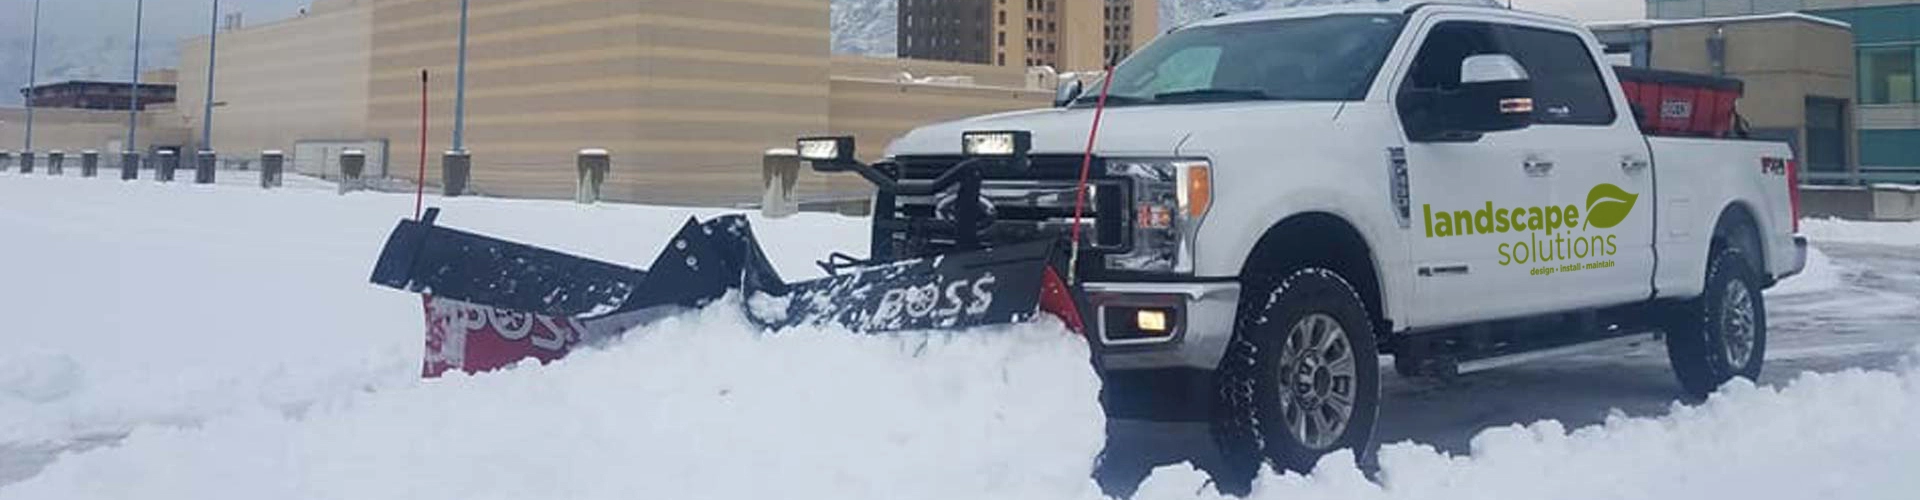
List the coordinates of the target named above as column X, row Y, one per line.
column 867, row 26
column 76, row 45
column 1178, row 12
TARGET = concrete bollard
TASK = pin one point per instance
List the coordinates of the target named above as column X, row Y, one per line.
column 56, row 162
column 129, row 165
column 89, row 163
column 203, row 164
column 26, row 162
column 593, row 165
column 456, row 168
column 779, row 171
column 165, row 162
column 271, row 162
column 353, row 162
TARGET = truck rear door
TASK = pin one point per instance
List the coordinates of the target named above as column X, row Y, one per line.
column 1601, row 171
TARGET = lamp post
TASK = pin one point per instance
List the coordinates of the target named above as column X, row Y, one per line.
column 33, row 70
column 133, row 102
column 206, row 115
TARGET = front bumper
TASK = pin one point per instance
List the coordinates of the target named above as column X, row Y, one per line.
column 1200, row 332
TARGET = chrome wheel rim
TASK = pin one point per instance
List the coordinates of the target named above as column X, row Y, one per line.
column 1318, row 382
column 1737, row 329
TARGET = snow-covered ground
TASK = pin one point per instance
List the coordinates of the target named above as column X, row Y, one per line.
column 181, row 341
column 1883, row 233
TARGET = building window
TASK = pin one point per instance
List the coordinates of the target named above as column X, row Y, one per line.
column 1826, row 149
column 1002, row 59
column 1887, row 75
column 1003, row 38
column 1003, row 17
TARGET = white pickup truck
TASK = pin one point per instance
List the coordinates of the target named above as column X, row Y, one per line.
column 1299, row 191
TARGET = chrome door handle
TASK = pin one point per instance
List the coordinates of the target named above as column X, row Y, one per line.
column 1633, row 165
column 1536, row 167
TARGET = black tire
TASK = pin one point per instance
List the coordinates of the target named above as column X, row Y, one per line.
column 1253, row 420
column 1723, row 333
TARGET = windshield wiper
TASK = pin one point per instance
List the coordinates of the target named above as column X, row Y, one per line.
column 1088, row 100
column 1213, row 95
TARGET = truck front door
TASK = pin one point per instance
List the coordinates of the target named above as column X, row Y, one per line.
column 1480, row 207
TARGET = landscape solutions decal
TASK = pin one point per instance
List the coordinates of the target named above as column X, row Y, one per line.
column 1557, row 238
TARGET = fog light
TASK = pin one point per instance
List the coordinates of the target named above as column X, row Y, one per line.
column 1150, row 321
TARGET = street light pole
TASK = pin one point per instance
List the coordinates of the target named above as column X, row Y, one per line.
column 33, row 70
column 206, row 115
column 459, row 85
column 133, row 103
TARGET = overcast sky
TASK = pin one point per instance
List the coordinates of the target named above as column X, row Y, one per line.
column 1587, row 10
column 168, row 17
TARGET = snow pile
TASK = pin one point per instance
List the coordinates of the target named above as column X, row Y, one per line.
column 134, row 304
column 229, row 335
column 1820, row 275
column 698, row 406
column 1840, row 435
column 1848, row 231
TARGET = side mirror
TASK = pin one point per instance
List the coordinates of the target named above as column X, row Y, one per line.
column 1066, row 93
column 1495, row 94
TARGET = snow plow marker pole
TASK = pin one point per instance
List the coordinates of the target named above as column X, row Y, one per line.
column 420, row 183
column 1080, row 190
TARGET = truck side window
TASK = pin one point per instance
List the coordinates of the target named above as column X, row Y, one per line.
column 1438, row 64
column 1567, row 88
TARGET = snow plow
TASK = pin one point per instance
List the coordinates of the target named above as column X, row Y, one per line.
column 491, row 303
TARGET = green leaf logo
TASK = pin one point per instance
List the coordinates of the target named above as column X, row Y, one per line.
column 1607, row 205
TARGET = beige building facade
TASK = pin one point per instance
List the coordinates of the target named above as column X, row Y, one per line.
column 1798, row 72
column 1069, row 35
column 685, row 94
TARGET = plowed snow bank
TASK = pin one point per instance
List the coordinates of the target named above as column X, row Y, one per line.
column 698, row 406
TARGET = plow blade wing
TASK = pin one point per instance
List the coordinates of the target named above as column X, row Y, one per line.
column 443, row 262
column 490, row 302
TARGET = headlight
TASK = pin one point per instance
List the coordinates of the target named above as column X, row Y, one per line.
column 1170, row 197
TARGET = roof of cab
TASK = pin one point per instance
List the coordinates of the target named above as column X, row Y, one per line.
column 1314, row 8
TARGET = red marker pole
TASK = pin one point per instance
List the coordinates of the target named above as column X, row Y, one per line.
column 1086, row 167
column 420, row 188
column 419, row 200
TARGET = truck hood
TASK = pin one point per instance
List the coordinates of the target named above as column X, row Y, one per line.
column 1124, row 130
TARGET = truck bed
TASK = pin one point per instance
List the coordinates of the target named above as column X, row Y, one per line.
column 1697, row 182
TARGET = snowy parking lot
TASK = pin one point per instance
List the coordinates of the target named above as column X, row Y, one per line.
column 182, row 341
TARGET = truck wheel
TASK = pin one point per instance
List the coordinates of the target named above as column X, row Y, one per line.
column 1723, row 333
column 1302, row 377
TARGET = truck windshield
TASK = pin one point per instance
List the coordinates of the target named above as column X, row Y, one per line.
column 1326, row 58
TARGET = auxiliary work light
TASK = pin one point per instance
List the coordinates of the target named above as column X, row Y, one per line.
column 837, row 149
column 1009, row 144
